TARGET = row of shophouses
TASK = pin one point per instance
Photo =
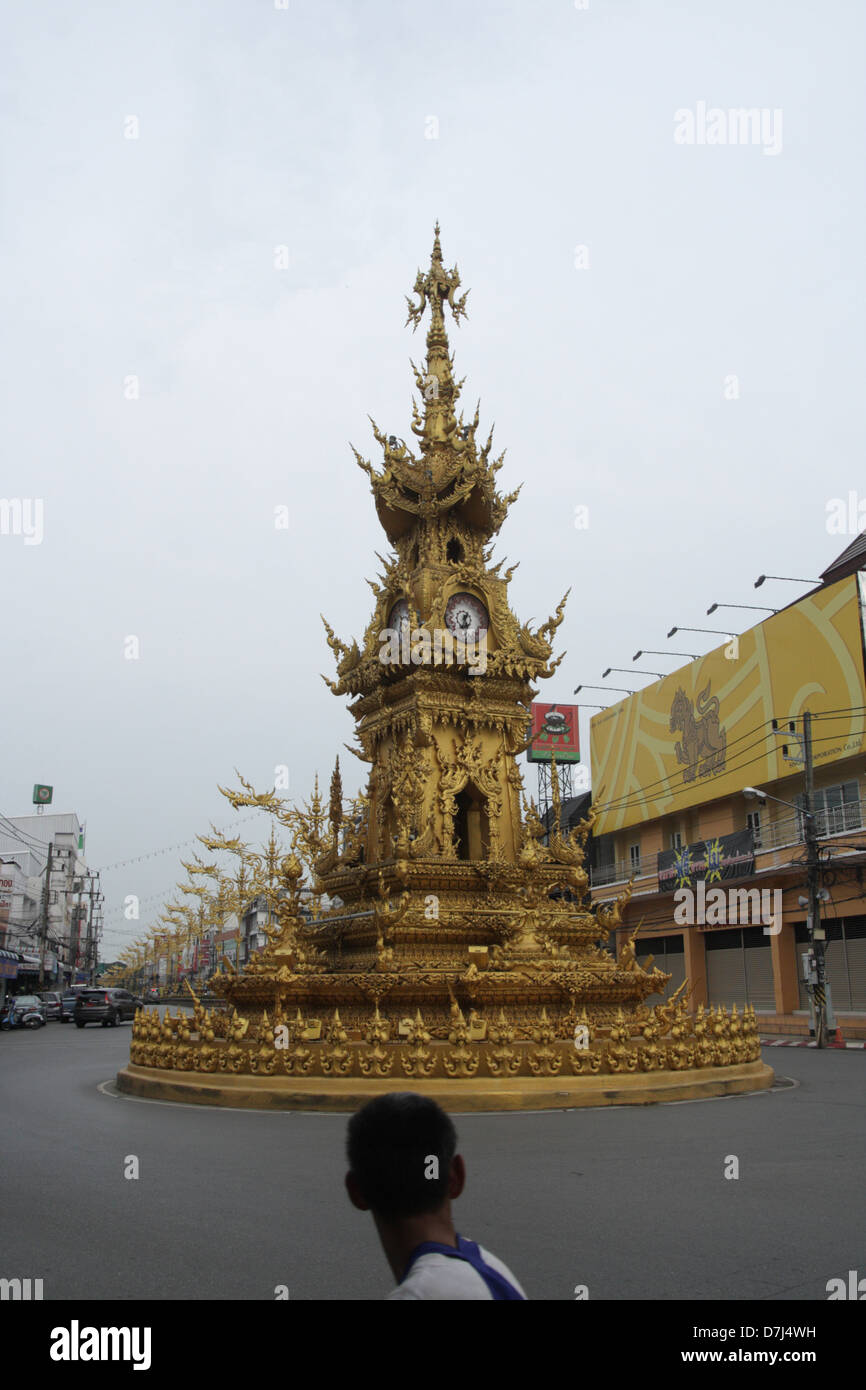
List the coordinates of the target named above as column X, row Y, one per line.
column 173, row 959
column 718, row 874
column 170, row 959
column 50, row 904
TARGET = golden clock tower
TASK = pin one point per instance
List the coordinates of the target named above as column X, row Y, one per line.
column 442, row 680
column 459, row 947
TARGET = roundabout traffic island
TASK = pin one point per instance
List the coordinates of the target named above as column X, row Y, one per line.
column 229, row 1060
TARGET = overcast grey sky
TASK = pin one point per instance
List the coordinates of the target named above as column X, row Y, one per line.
column 308, row 127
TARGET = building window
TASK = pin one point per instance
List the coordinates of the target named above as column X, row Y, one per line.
column 604, row 849
column 836, row 808
column 676, row 840
column 634, row 858
column 753, row 823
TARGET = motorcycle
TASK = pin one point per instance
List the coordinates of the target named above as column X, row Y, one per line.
column 22, row 1011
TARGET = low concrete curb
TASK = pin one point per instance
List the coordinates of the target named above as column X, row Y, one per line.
column 457, row 1096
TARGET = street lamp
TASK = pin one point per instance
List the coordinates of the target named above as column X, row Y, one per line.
column 692, row 656
column 756, row 607
column 787, row 578
column 605, row 687
column 755, row 793
column 626, row 671
column 715, row 630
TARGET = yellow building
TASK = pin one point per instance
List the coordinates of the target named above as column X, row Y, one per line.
column 719, row 876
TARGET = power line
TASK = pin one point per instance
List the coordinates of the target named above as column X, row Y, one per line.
column 182, row 844
column 15, row 833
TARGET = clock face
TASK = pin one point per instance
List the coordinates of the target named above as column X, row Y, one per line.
column 466, row 616
column 399, row 615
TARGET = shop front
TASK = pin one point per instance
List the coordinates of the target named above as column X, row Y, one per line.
column 844, row 962
column 9, row 961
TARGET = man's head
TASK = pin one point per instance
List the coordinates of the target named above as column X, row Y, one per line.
column 402, row 1157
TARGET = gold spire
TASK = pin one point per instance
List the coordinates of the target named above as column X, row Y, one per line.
column 437, row 384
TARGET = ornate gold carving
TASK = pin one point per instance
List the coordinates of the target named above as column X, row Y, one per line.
column 336, row 1058
column 417, row 1058
column 544, row 1060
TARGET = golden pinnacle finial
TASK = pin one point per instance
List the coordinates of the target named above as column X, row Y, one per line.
column 436, row 288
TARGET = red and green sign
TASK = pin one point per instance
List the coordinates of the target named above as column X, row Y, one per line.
column 554, row 734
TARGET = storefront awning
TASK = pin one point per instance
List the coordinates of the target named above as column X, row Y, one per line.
column 8, row 964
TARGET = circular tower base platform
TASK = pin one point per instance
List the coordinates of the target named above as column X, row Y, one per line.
column 458, row 1096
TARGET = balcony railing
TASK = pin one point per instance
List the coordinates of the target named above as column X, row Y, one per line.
column 624, row 869
column 790, row 830
column 777, row 834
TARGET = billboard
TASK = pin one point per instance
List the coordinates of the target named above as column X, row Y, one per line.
column 705, row 731
column 554, row 734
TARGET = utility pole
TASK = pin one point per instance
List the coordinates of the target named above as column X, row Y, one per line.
column 822, row 1009
column 78, row 912
column 817, row 935
column 89, row 937
column 43, row 916
column 90, row 950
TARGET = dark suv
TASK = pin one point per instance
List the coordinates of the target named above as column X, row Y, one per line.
column 105, row 1006
column 67, row 1003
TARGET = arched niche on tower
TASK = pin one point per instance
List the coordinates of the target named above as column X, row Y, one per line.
column 471, row 824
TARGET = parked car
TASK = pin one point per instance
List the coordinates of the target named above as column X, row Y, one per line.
column 105, row 1006
column 51, row 999
column 67, row 1002
column 22, row 1011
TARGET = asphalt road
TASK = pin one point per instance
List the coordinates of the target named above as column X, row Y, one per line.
column 632, row 1202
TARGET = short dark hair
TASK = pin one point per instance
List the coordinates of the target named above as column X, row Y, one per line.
column 390, row 1143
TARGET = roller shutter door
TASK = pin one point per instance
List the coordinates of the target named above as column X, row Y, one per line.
column 857, row 972
column 759, row 978
column 836, row 971
column 726, row 976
